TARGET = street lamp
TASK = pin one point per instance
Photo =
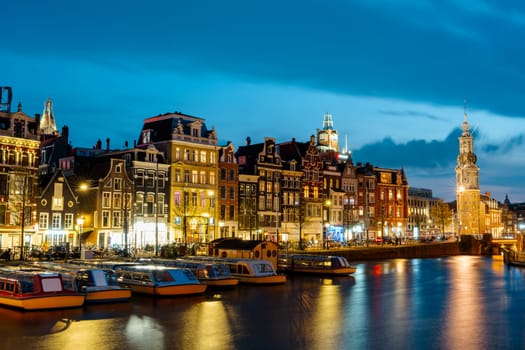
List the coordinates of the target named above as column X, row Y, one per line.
column 80, row 222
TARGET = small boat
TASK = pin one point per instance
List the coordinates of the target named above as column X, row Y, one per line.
column 158, row 280
column 315, row 264
column 36, row 290
column 99, row 285
column 213, row 274
column 250, row 271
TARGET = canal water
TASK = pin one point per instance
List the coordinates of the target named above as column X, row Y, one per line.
column 462, row 302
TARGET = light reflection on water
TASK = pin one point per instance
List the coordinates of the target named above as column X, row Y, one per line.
column 459, row 302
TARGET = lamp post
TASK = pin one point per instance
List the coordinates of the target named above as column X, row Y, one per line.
column 80, row 222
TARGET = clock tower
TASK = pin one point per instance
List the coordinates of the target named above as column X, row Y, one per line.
column 467, row 184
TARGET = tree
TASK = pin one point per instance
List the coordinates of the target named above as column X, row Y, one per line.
column 441, row 214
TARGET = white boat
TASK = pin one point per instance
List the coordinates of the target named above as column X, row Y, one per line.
column 252, row 271
column 158, row 280
column 213, row 274
column 36, row 290
column 315, row 264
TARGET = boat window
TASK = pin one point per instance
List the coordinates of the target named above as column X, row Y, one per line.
column 243, row 270
column 189, row 275
column 163, row 276
column 144, row 278
column 263, row 268
column 51, row 284
column 232, row 268
column 2, row 285
column 10, row 287
column 27, row 287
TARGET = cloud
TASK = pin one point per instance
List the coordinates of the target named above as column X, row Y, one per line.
column 423, row 154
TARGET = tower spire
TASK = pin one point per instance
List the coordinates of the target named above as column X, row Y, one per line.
column 47, row 123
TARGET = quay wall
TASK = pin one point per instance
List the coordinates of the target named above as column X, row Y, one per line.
column 467, row 246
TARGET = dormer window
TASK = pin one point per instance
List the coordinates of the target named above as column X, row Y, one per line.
column 195, row 132
column 146, row 136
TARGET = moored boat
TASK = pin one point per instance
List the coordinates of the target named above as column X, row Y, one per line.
column 213, row 274
column 251, row 271
column 158, row 280
column 36, row 290
column 99, row 285
column 315, row 264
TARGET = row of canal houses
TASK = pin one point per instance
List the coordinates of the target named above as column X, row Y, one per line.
column 177, row 184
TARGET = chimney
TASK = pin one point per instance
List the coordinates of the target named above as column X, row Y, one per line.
column 107, row 144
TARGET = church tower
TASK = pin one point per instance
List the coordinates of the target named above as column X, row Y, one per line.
column 467, row 183
column 48, row 125
column 327, row 139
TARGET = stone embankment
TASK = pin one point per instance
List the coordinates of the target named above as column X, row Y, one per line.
column 467, row 246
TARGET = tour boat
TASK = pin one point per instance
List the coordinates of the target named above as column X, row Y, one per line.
column 99, row 285
column 36, row 290
column 250, row 271
column 158, row 280
column 315, row 264
column 213, row 274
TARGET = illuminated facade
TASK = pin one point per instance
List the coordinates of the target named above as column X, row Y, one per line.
column 327, row 138
column 192, row 152
column 19, row 160
column 467, row 184
column 228, row 195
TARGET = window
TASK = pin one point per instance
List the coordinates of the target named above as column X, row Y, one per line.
column 58, row 203
column 106, row 199
column 117, row 184
column 212, row 178
column 68, row 221
column 150, row 179
column 118, row 168
column 178, row 177
column 203, row 156
column 232, row 192
column 194, row 176
column 105, row 218
column 223, row 174
column 43, row 220
column 232, row 212
column 55, row 223
column 203, row 177
column 223, row 212
column 232, row 175
column 140, row 203
column 117, row 199
column 223, row 192
column 116, row 219
column 139, row 178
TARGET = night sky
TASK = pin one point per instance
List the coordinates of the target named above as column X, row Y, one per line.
column 395, row 75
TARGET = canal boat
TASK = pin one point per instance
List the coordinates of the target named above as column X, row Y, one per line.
column 249, row 271
column 315, row 264
column 99, row 285
column 213, row 274
column 36, row 290
column 158, row 280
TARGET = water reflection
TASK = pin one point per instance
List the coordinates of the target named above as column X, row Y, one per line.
column 458, row 302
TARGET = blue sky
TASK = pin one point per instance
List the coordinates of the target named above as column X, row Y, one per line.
column 393, row 74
